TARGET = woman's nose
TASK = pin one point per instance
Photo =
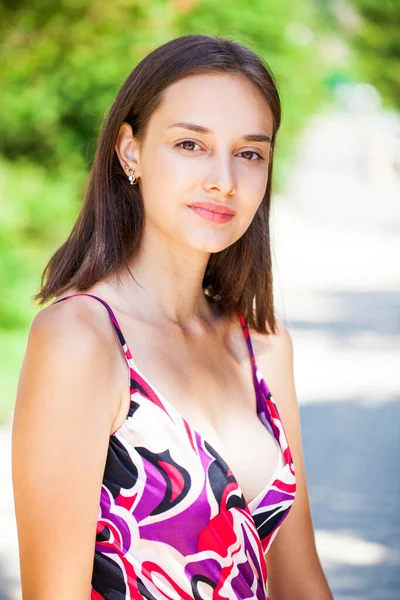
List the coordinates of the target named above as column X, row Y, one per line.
column 220, row 176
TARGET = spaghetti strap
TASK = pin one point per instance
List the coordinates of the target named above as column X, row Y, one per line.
column 113, row 318
column 259, row 381
column 247, row 337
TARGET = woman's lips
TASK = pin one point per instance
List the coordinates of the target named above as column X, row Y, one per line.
column 215, row 213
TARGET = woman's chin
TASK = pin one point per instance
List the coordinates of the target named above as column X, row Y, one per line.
column 212, row 246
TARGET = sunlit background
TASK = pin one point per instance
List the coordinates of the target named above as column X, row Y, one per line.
column 335, row 221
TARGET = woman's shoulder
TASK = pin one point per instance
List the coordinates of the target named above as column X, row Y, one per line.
column 273, row 351
column 274, row 357
column 277, row 346
column 69, row 357
column 71, row 314
column 73, row 330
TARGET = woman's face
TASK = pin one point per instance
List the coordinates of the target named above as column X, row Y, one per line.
column 197, row 148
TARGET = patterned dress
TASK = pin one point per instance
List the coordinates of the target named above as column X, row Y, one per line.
column 173, row 523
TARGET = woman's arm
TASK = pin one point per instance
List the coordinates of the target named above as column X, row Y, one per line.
column 63, row 416
column 294, row 569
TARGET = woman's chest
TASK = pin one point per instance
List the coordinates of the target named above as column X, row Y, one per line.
column 217, row 409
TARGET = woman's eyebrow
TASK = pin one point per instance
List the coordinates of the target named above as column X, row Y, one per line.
column 251, row 137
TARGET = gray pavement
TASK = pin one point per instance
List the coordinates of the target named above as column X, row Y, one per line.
column 337, row 285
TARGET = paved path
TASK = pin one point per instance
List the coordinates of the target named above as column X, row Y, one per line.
column 337, row 281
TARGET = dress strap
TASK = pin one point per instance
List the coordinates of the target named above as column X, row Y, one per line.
column 247, row 338
column 260, row 385
column 113, row 318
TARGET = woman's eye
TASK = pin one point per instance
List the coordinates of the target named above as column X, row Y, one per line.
column 188, row 145
column 259, row 157
column 186, row 142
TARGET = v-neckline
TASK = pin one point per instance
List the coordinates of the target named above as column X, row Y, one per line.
column 170, row 408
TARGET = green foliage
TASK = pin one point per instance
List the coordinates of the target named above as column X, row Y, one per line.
column 372, row 30
column 61, row 69
column 377, row 41
column 39, row 204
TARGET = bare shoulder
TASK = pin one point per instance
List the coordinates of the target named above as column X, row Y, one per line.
column 73, row 343
column 80, row 324
column 76, row 316
column 274, row 357
column 279, row 342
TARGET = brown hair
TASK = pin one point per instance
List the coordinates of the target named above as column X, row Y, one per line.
column 108, row 230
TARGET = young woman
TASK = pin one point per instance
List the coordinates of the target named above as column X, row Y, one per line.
column 150, row 459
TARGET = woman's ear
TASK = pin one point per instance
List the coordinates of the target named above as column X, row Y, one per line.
column 127, row 148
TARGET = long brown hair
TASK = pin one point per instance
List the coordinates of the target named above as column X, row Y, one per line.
column 108, row 230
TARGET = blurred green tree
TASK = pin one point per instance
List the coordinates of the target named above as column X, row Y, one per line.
column 373, row 31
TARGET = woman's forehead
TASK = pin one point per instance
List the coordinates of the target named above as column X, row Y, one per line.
column 216, row 102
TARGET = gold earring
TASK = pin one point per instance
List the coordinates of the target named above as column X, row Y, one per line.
column 133, row 180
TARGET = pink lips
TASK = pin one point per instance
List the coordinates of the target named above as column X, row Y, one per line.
column 210, row 211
